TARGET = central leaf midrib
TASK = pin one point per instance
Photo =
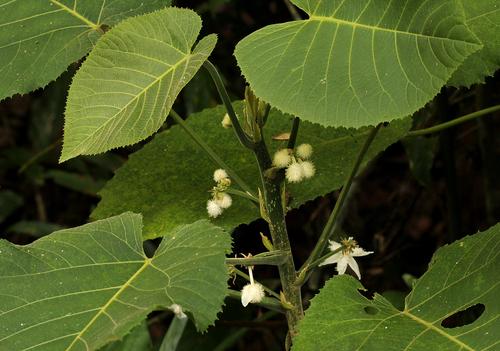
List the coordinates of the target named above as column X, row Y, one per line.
column 354, row 24
column 111, row 300
column 74, row 13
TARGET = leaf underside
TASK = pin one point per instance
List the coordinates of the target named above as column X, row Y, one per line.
column 42, row 37
column 169, row 180
column 80, row 288
column 357, row 63
column 126, row 87
column 460, row 275
column 483, row 18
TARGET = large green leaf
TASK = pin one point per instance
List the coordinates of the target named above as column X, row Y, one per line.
column 127, row 85
column 77, row 289
column 460, row 275
column 356, row 63
column 483, row 18
column 40, row 38
column 169, row 180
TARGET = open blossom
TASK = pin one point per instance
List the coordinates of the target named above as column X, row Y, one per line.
column 345, row 257
column 252, row 292
column 304, row 151
column 213, row 208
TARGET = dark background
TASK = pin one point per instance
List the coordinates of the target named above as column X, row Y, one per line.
column 389, row 210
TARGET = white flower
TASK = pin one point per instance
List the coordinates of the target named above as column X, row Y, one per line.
column 226, row 122
column 220, row 176
column 252, row 292
column 213, row 208
column 304, row 151
column 344, row 258
column 282, row 158
column 225, row 201
column 294, row 173
column 307, row 169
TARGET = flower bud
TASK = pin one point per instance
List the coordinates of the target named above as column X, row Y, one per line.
column 253, row 293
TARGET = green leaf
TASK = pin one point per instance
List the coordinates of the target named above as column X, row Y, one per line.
column 126, row 87
column 80, row 288
column 356, row 63
column 460, row 275
column 138, row 340
column 42, row 37
column 483, row 18
column 169, row 180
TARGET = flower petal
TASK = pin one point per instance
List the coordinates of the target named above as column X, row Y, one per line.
column 354, row 265
column 342, row 264
column 360, row 252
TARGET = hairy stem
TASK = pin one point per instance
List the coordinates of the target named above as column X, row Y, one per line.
column 277, row 227
column 242, row 136
column 452, row 123
column 274, row 258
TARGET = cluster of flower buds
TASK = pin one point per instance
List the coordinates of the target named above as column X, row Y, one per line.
column 220, row 199
column 297, row 166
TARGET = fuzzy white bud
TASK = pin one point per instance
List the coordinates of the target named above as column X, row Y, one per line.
column 294, row 173
column 213, row 208
column 282, row 158
column 252, row 293
column 308, row 169
column 225, row 201
column 226, row 122
column 304, row 151
column 220, row 176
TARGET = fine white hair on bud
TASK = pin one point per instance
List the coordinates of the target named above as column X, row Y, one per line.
column 304, row 151
column 225, row 201
column 226, row 122
column 252, row 292
column 294, row 173
column 213, row 208
column 282, row 158
column 307, row 169
column 220, row 176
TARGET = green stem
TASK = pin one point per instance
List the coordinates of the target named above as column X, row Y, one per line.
column 274, row 258
column 39, row 155
column 327, row 232
column 293, row 133
column 210, row 152
column 242, row 136
column 247, row 277
column 242, row 194
column 267, row 302
column 452, row 123
column 277, row 227
column 328, row 255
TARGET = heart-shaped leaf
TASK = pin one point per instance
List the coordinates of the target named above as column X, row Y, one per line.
column 127, row 85
column 357, row 63
column 77, row 289
column 461, row 275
